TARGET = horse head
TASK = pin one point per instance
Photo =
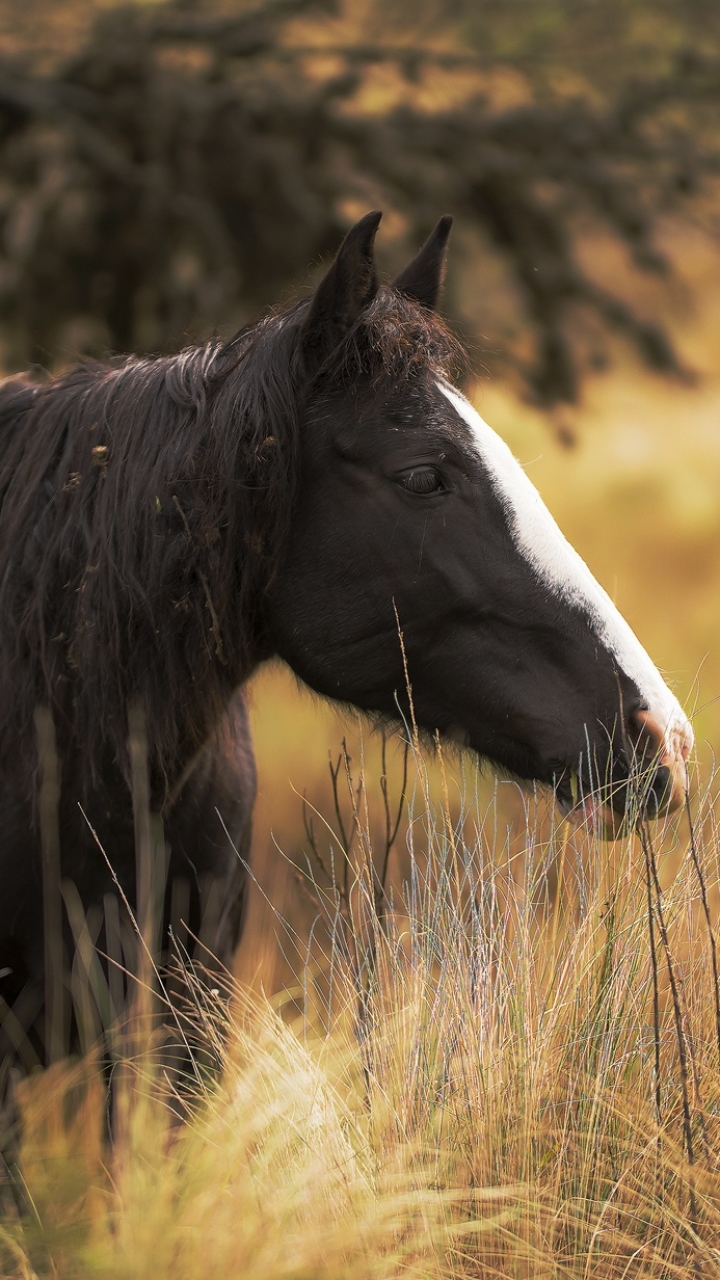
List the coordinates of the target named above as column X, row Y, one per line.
column 425, row 578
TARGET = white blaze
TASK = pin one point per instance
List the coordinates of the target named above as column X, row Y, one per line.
column 559, row 566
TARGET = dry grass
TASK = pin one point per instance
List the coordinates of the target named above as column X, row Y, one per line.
column 493, row 1073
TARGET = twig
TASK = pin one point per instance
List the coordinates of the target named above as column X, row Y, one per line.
column 406, row 673
column 656, row 989
column 391, row 827
column 708, row 919
column 347, row 841
column 677, row 1012
column 143, row 943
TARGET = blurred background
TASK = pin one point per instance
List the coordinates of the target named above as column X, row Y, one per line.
column 170, row 170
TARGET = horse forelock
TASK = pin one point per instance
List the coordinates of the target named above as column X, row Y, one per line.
column 395, row 338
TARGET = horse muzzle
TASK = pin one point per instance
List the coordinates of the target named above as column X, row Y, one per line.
column 650, row 778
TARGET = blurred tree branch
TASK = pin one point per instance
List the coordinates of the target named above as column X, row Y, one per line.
column 183, row 167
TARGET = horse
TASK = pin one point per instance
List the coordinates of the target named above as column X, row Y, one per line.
column 315, row 489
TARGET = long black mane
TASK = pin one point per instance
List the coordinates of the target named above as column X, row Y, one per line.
column 144, row 508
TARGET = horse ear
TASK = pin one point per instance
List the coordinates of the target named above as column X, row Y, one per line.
column 423, row 277
column 349, row 286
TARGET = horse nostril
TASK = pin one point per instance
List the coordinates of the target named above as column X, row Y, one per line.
column 658, row 757
column 646, row 736
column 658, row 791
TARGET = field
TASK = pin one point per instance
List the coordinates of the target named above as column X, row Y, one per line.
column 505, row 1064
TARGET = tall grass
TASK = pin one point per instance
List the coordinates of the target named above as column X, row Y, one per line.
column 505, row 1063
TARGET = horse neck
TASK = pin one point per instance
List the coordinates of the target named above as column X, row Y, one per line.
column 145, row 523
column 223, row 519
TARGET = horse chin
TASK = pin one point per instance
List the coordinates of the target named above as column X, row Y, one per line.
column 592, row 813
column 595, row 814
column 597, row 817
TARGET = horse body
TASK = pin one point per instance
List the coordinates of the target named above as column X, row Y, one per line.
column 314, row 489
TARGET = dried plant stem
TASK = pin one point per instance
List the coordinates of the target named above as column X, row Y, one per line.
column 392, row 823
column 347, row 840
column 408, row 686
column 655, row 980
column 678, row 1017
column 708, row 919
column 361, row 905
column 150, row 960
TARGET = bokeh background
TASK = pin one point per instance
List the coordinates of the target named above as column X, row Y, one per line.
column 169, row 170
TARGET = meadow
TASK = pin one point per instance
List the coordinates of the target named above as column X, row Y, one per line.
column 503, row 1063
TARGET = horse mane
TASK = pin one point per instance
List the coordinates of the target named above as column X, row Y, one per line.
column 144, row 508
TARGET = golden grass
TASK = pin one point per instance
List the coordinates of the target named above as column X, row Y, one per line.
column 467, row 1084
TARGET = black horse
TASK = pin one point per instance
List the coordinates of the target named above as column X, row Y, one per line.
column 315, row 489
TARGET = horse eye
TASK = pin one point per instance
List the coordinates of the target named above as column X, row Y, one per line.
column 421, row 480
